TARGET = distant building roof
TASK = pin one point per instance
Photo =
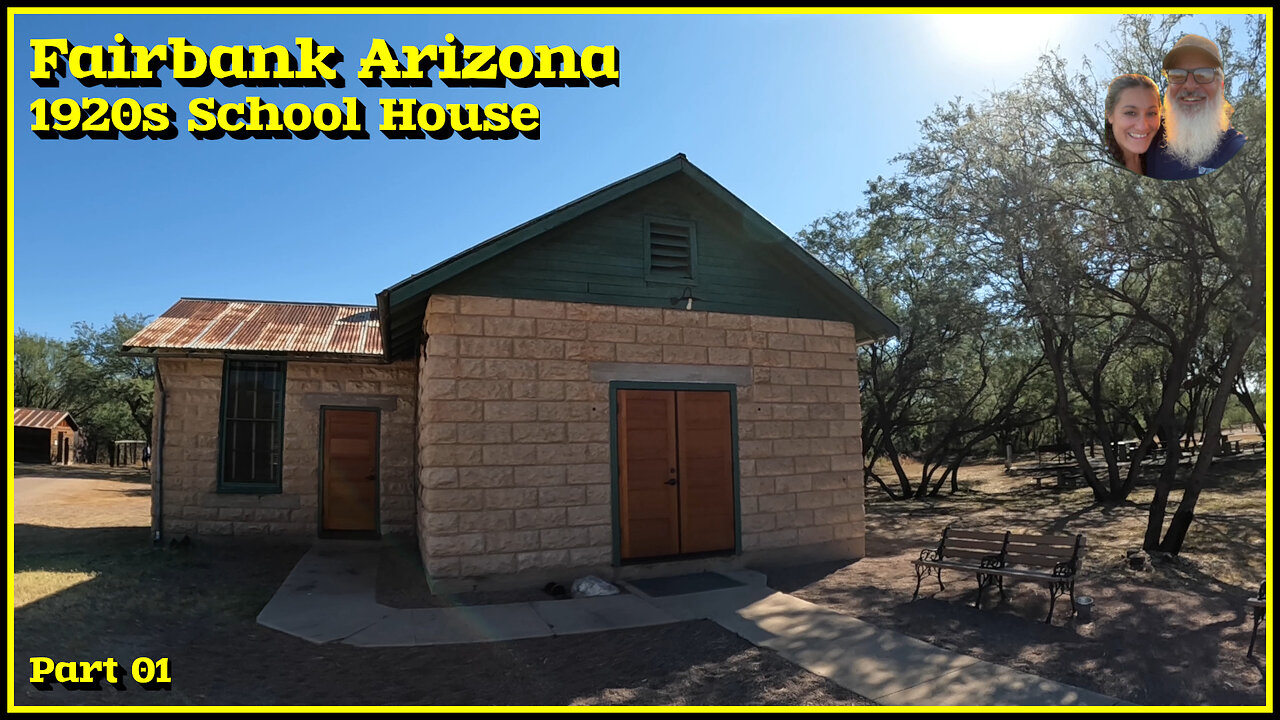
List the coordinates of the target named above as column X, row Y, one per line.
column 46, row 419
column 195, row 325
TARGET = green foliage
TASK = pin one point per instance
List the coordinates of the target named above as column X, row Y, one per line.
column 958, row 378
column 1010, row 237
column 108, row 393
column 46, row 374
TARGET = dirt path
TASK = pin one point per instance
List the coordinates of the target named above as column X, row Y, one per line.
column 91, row 586
column 95, row 499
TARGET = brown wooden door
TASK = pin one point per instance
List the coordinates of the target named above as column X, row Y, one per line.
column 675, row 472
column 705, row 440
column 349, row 487
column 648, row 498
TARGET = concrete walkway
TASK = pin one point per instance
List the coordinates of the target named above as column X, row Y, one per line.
column 330, row 596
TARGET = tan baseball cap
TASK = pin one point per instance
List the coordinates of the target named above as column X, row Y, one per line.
column 1191, row 43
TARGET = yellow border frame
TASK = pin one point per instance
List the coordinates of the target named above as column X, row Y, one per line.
column 647, row 10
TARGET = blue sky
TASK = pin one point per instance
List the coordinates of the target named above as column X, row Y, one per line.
column 792, row 113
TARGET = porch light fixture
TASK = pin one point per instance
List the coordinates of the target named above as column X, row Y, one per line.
column 687, row 297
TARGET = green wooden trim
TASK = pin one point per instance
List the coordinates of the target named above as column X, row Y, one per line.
column 277, row 486
column 615, row 511
column 649, row 275
column 737, row 485
column 614, row 387
column 384, row 321
column 869, row 315
column 377, row 488
column 424, row 281
column 403, row 304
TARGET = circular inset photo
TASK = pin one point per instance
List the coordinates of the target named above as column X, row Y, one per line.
column 1195, row 136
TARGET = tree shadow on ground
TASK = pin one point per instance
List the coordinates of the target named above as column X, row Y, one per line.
column 127, row 473
column 197, row 607
column 1174, row 632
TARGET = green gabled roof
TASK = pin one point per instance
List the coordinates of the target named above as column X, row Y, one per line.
column 402, row 306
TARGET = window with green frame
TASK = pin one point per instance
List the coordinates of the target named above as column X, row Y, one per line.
column 252, row 433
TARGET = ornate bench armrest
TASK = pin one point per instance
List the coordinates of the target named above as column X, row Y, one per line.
column 1065, row 569
column 992, row 562
column 929, row 555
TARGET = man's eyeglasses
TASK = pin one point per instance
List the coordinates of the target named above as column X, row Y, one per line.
column 1204, row 76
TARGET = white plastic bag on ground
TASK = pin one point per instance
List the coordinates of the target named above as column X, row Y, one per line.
column 592, row 586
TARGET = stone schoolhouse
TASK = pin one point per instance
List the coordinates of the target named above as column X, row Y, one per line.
column 651, row 376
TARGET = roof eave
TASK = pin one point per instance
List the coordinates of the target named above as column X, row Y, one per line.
column 868, row 318
column 222, row 354
column 421, row 284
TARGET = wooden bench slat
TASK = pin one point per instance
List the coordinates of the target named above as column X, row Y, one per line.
column 1255, row 602
column 973, row 545
column 1033, row 556
column 998, row 542
column 1034, row 567
column 946, row 564
column 1034, row 559
column 1025, row 575
column 958, row 534
column 1019, row 557
column 1069, row 540
column 1042, row 548
column 966, row 554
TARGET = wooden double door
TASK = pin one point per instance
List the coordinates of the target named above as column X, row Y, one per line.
column 675, row 472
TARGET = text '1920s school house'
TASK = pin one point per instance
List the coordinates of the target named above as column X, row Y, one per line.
column 651, row 373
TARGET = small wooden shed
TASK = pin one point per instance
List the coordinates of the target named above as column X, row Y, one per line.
column 44, row 436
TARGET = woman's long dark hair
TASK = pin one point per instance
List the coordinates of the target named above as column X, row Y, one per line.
column 1119, row 85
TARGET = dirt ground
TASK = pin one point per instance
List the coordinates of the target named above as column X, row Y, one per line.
column 89, row 586
column 1173, row 633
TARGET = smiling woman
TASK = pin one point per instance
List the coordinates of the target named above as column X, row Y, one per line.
column 1132, row 113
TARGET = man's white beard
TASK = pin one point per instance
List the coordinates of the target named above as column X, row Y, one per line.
column 1192, row 136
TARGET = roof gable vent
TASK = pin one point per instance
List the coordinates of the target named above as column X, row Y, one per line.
column 670, row 250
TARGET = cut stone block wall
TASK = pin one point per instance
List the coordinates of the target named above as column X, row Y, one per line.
column 192, row 503
column 514, row 439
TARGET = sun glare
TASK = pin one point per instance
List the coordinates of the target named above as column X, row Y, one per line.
column 998, row 40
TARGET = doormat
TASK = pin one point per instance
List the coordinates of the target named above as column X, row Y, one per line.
column 682, row 584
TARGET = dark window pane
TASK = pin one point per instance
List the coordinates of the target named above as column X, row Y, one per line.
column 252, row 422
column 265, row 405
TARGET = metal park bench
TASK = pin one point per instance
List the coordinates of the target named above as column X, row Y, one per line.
column 1053, row 561
column 1259, row 605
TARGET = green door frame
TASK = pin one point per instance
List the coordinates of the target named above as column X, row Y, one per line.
column 614, row 387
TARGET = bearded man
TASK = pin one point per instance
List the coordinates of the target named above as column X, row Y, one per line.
column 1197, row 119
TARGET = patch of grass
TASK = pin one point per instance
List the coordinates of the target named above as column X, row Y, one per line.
column 125, row 582
column 34, row 585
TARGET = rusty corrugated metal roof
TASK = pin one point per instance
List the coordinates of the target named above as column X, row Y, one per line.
column 195, row 324
column 47, row 419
